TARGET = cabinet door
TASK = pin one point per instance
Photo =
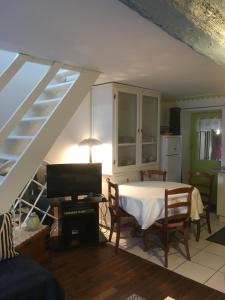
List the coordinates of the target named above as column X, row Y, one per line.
column 149, row 128
column 126, row 128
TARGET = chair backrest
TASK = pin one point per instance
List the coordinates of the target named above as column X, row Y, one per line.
column 203, row 182
column 177, row 206
column 153, row 175
column 113, row 197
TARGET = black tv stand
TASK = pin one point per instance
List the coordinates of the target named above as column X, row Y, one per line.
column 74, row 198
column 90, row 197
column 78, row 221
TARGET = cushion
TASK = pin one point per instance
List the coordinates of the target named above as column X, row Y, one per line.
column 6, row 237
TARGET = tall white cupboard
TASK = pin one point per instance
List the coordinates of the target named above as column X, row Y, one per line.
column 126, row 120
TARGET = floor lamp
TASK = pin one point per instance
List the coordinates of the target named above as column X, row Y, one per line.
column 90, row 142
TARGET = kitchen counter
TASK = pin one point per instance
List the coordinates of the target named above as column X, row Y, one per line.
column 218, row 171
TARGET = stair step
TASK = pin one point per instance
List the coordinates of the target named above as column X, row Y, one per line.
column 65, row 72
column 58, row 86
column 47, row 101
column 72, row 78
column 20, row 137
column 33, row 119
column 9, row 156
column 5, row 165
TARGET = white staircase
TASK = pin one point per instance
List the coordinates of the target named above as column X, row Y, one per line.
column 32, row 129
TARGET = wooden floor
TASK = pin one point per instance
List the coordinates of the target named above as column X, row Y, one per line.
column 91, row 273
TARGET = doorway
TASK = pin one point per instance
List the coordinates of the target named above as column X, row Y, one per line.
column 206, row 144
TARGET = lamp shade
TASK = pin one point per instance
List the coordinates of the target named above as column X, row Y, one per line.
column 90, row 142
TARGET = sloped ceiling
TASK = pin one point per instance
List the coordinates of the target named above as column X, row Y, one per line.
column 108, row 36
column 198, row 23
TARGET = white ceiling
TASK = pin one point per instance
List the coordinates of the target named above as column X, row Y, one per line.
column 107, row 36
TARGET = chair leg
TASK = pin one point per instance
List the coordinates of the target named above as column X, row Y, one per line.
column 135, row 230
column 166, row 257
column 166, row 248
column 198, row 230
column 208, row 221
column 117, row 236
column 186, row 243
column 111, row 229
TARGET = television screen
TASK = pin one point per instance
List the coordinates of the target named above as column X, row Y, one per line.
column 74, row 180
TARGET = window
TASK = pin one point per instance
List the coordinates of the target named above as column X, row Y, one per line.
column 209, row 139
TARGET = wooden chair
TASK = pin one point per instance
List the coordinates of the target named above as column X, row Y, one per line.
column 151, row 174
column 177, row 218
column 203, row 182
column 117, row 214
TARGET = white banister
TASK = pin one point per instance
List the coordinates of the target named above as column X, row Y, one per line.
column 28, row 101
column 34, row 152
column 12, row 69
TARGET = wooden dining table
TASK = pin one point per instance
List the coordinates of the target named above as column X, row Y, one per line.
column 145, row 200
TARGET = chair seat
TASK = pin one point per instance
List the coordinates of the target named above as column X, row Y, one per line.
column 171, row 225
column 175, row 220
column 123, row 213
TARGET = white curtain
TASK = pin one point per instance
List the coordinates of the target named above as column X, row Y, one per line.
column 208, row 125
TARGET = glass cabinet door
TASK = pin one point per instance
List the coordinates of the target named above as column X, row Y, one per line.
column 149, row 128
column 127, row 128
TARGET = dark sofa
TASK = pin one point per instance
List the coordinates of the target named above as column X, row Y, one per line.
column 21, row 278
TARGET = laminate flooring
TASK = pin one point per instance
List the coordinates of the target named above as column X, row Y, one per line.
column 97, row 273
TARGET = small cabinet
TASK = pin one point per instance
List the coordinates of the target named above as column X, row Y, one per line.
column 126, row 120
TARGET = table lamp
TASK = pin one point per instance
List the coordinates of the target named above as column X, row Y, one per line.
column 90, row 142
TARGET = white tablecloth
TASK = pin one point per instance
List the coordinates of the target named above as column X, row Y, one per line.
column 145, row 200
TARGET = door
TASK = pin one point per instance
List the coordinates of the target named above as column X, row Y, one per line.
column 149, row 128
column 171, row 157
column 173, row 168
column 127, row 112
column 174, row 145
column 205, row 144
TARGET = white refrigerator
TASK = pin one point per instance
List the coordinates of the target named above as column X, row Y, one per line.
column 171, row 156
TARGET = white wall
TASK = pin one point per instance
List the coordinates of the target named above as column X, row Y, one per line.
column 65, row 148
column 78, row 127
column 164, row 112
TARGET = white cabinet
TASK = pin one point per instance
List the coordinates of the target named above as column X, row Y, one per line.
column 126, row 120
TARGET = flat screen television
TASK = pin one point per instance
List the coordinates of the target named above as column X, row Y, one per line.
column 74, row 180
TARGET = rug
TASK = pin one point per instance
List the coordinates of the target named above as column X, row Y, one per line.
column 218, row 237
column 137, row 297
